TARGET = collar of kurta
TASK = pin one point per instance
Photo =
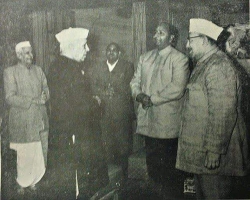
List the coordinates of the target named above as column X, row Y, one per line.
column 70, row 63
column 25, row 67
column 165, row 51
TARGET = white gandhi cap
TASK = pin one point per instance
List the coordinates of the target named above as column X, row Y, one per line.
column 20, row 45
column 71, row 34
column 205, row 27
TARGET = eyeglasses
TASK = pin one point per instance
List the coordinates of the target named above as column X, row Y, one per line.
column 188, row 38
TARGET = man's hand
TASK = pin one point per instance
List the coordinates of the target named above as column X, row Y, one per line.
column 97, row 99
column 147, row 103
column 212, row 160
column 43, row 98
column 140, row 97
column 40, row 100
column 144, row 100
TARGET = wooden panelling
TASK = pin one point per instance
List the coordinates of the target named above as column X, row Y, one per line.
column 178, row 13
column 105, row 27
column 45, row 25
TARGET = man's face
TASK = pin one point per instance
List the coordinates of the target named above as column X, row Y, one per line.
column 25, row 55
column 84, row 49
column 194, row 45
column 162, row 37
column 112, row 53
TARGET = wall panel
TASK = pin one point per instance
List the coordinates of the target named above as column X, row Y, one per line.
column 105, row 26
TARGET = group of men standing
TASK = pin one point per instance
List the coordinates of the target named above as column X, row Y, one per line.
column 191, row 121
column 89, row 119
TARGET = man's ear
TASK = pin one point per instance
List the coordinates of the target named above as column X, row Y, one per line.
column 19, row 54
column 205, row 40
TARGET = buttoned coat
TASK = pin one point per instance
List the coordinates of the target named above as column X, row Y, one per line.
column 212, row 119
column 74, row 111
column 163, row 76
column 117, row 108
column 26, row 119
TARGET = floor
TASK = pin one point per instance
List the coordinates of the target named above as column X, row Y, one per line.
column 134, row 189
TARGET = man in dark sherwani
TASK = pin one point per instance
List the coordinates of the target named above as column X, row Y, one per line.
column 75, row 121
column 111, row 86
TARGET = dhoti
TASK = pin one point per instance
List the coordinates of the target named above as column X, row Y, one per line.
column 30, row 163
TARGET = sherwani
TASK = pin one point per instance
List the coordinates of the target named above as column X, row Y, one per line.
column 117, row 108
column 28, row 122
column 212, row 120
column 74, row 112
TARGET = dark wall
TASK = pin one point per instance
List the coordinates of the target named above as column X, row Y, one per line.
column 67, row 4
column 15, row 26
column 178, row 13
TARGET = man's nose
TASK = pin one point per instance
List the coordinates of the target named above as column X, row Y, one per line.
column 111, row 52
column 87, row 47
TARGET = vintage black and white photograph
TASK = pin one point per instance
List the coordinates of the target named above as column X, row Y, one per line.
column 124, row 99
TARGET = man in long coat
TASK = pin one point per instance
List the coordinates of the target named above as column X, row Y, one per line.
column 212, row 141
column 26, row 92
column 75, row 120
column 158, row 85
column 111, row 85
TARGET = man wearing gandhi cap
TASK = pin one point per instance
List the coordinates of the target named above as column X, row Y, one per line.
column 75, row 130
column 212, row 142
column 26, row 92
column 73, row 43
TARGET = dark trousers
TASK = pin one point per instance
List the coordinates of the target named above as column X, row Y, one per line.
column 117, row 137
column 213, row 186
column 86, row 156
column 160, row 159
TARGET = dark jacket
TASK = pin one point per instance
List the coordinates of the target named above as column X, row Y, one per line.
column 117, row 105
column 71, row 96
column 120, row 105
column 75, row 112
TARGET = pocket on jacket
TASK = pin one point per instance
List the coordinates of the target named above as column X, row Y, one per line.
column 195, row 116
column 17, row 120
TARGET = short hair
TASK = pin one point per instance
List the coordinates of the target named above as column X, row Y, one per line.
column 115, row 44
column 172, row 30
column 222, row 39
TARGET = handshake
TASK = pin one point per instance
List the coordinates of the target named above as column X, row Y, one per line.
column 40, row 100
column 144, row 100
